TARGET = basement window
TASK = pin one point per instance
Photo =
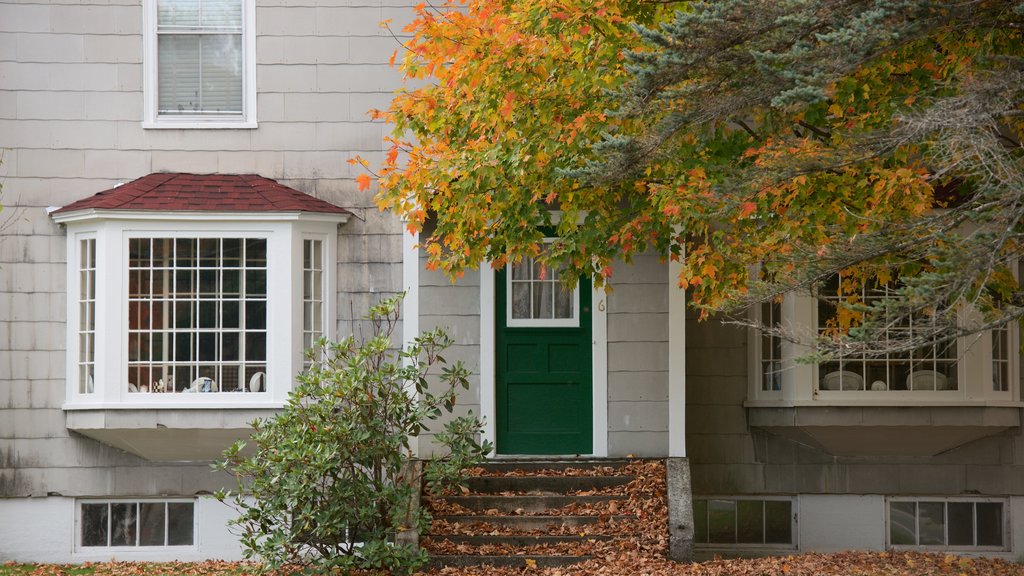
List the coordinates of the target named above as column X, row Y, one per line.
column 947, row 523
column 136, row 523
column 740, row 521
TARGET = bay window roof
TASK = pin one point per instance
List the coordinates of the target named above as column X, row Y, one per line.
column 175, row 192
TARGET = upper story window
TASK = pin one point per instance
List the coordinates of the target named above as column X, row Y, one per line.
column 200, row 64
column 197, row 308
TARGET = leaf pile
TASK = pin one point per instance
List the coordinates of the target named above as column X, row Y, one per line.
column 637, row 522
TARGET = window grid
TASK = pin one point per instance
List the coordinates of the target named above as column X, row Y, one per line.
column 537, row 293
column 771, row 348
column 743, row 521
column 930, row 368
column 197, row 314
column 87, row 316
column 946, row 523
column 312, row 295
column 148, row 523
column 1001, row 358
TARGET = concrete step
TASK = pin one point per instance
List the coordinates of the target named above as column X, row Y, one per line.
column 526, row 503
column 544, row 484
column 515, row 539
column 537, row 464
column 514, row 561
column 531, row 523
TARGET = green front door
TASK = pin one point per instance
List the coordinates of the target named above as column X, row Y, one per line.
column 544, row 388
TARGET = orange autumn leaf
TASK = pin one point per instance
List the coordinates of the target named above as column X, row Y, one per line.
column 363, row 181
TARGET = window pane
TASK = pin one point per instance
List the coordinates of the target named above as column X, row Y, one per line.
column 931, row 522
column 256, row 315
column 256, row 346
column 902, row 523
column 151, row 523
column 961, row 523
column 255, row 252
column 122, row 524
column 563, row 302
column 990, row 523
column 180, row 523
column 255, row 282
column 543, row 299
column 700, row 521
column 750, row 521
column 231, row 253
column 94, row 524
column 200, row 73
column 778, row 522
column 520, row 300
column 722, row 521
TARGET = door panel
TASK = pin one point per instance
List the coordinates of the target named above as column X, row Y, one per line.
column 544, row 388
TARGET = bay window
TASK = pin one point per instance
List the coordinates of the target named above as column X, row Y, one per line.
column 979, row 368
column 180, row 315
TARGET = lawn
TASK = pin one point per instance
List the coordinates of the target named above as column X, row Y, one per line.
column 626, row 563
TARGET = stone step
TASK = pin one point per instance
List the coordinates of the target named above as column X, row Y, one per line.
column 544, row 484
column 531, row 523
column 526, row 503
column 537, row 464
column 515, row 539
column 513, row 561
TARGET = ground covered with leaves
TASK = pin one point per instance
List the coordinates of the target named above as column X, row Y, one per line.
column 625, row 563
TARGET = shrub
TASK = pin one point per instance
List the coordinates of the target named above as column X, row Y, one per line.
column 327, row 482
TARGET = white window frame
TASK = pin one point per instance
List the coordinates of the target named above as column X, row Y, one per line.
column 510, row 322
column 794, row 520
column 150, row 61
column 1007, row 537
column 79, row 548
column 285, row 233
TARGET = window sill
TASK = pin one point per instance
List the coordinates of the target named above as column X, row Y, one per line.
column 175, row 404
column 879, row 400
column 199, row 125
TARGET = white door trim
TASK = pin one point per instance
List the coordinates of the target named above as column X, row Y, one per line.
column 599, row 331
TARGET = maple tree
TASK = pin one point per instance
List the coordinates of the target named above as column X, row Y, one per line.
column 796, row 140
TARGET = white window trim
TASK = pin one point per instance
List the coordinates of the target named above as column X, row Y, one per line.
column 1007, row 525
column 794, row 543
column 150, row 56
column 77, row 524
column 284, row 233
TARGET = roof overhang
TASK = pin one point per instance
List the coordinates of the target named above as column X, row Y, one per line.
column 94, row 214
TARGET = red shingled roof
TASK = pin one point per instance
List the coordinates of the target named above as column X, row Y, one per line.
column 204, row 193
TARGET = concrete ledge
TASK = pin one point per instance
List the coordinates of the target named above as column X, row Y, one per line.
column 885, row 430
column 680, row 510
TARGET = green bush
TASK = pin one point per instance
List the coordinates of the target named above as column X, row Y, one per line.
column 327, row 482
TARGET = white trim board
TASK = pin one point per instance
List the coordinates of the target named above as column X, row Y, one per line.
column 599, row 331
